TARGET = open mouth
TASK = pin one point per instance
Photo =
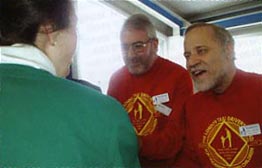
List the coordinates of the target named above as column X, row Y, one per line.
column 134, row 64
column 198, row 73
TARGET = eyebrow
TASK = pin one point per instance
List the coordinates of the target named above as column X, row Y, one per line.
column 203, row 46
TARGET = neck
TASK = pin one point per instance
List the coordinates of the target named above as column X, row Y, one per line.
column 226, row 81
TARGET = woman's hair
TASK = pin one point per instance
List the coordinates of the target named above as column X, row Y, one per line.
column 140, row 22
column 20, row 20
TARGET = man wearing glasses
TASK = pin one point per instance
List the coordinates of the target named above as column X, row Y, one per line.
column 153, row 91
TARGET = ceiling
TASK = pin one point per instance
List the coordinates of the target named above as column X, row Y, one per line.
column 167, row 15
column 207, row 10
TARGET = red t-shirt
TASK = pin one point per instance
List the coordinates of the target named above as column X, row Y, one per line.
column 161, row 133
column 217, row 124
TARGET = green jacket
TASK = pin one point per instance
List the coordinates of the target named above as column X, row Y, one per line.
column 50, row 122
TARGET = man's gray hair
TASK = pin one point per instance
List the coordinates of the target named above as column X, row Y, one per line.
column 140, row 22
column 221, row 34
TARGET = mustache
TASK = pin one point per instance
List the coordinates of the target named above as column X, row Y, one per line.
column 197, row 68
column 133, row 59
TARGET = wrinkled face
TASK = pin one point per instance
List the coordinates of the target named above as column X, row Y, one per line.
column 206, row 59
column 139, row 51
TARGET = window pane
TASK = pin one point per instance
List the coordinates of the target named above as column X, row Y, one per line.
column 99, row 53
column 249, row 53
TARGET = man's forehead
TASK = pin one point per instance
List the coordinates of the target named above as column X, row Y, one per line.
column 133, row 35
column 200, row 35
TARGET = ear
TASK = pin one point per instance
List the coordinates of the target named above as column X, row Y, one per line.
column 49, row 31
column 155, row 44
column 230, row 51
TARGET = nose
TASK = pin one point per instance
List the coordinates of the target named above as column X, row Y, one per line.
column 130, row 53
column 192, row 61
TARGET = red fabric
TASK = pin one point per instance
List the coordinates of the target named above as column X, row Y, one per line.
column 213, row 136
column 161, row 135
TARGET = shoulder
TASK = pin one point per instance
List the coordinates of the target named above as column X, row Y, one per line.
column 249, row 78
column 86, row 83
column 175, row 72
column 71, row 86
column 121, row 73
column 90, row 101
column 249, row 75
column 168, row 64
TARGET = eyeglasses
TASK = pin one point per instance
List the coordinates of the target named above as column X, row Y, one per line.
column 137, row 46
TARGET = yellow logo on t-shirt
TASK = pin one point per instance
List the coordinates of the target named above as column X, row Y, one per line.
column 142, row 113
column 224, row 146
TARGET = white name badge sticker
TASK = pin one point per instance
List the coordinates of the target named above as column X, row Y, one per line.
column 163, row 109
column 162, row 98
column 249, row 130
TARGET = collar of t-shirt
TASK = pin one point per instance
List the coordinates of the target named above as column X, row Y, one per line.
column 28, row 55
